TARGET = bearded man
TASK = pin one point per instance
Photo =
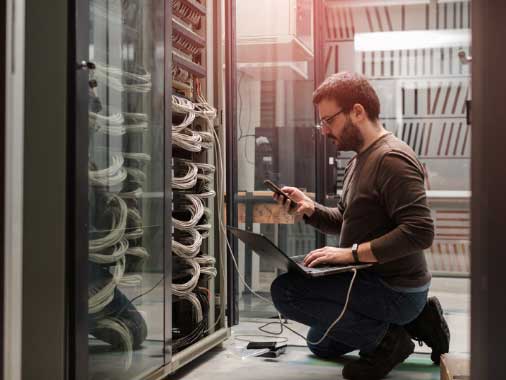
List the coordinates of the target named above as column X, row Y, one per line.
column 382, row 218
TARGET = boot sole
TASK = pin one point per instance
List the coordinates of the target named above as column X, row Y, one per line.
column 443, row 344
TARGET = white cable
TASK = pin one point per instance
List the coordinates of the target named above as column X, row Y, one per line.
column 123, row 331
column 121, row 80
column 104, row 296
column 114, row 119
column 188, row 179
column 137, row 156
column 119, row 123
column 196, row 209
column 119, row 211
column 191, row 249
column 182, row 105
column 140, row 252
column 131, row 280
column 206, row 226
column 134, row 229
column 187, row 140
column 137, row 175
column 118, row 252
column 134, row 194
column 188, row 120
column 111, row 176
column 194, row 271
column 207, row 139
column 136, row 122
column 197, row 307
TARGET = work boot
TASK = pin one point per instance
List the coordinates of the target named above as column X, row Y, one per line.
column 395, row 347
column 430, row 327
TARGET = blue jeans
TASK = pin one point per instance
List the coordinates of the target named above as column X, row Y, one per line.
column 317, row 302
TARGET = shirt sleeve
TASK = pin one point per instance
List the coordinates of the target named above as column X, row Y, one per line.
column 400, row 185
column 329, row 220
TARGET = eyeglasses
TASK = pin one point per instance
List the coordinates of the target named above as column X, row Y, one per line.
column 325, row 122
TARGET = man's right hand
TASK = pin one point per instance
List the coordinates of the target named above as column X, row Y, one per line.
column 305, row 205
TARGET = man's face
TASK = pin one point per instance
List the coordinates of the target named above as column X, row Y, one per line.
column 339, row 127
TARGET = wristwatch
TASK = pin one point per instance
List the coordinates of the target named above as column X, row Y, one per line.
column 354, row 252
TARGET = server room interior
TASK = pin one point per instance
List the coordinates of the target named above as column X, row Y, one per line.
column 189, row 311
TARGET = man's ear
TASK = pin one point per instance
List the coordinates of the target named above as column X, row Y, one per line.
column 358, row 112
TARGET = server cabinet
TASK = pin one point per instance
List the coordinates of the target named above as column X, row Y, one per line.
column 146, row 286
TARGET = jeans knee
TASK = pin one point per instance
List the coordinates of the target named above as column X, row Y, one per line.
column 320, row 351
column 328, row 348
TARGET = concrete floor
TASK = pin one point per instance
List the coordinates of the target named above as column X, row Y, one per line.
column 228, row 362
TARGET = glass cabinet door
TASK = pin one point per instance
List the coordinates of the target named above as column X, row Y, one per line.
column 126, row 188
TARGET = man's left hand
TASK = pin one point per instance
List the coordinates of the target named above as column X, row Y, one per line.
column 328, row 255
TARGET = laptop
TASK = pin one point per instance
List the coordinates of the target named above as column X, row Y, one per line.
column 275, row 256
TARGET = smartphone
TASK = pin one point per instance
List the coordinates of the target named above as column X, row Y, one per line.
column 275, row 188
column 260, row 345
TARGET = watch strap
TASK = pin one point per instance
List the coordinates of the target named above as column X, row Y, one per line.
column 354, row 252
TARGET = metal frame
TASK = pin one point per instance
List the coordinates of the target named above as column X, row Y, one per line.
column 320, row 140
column 77, row 205
column 13, row 44
column 167, row 238
column 2, row 186
column 231, row 155
column 488, row 206
column 45, row 192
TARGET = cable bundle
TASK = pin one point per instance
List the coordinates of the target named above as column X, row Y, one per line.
column 118, row 123
column 194, row 206
column 204, row 226
column 122, row 80
column 98, row 301
column 188, row 140
column 191, row 219
column 185, row 174
column 118, row 252
column 119, row 212
column 134, row 229
column 187, row 243
column 110, row 176
column 125, row 340
column 194, row 272
column 199, row 301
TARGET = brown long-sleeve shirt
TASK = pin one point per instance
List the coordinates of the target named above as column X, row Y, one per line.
column 384, row 202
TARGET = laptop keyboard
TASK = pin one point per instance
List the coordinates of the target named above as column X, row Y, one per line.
column 298, row 259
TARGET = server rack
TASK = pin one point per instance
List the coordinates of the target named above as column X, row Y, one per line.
column 146, row 272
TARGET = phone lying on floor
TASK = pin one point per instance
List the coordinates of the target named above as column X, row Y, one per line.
column 276, row 189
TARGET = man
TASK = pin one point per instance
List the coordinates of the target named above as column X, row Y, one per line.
column 382, row 218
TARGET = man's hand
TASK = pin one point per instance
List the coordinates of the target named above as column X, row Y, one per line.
column 305, row 205
column 328, row 255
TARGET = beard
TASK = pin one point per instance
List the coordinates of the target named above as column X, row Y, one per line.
column 350, row 138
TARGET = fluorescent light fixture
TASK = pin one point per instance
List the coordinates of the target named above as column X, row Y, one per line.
column 373, row 3
column 411, row 40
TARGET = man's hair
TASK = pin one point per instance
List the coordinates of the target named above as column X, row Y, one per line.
column 348, row 89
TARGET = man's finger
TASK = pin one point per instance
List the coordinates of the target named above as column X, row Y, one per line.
column 300, row 209
column 313, row 256
column 318, row 261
